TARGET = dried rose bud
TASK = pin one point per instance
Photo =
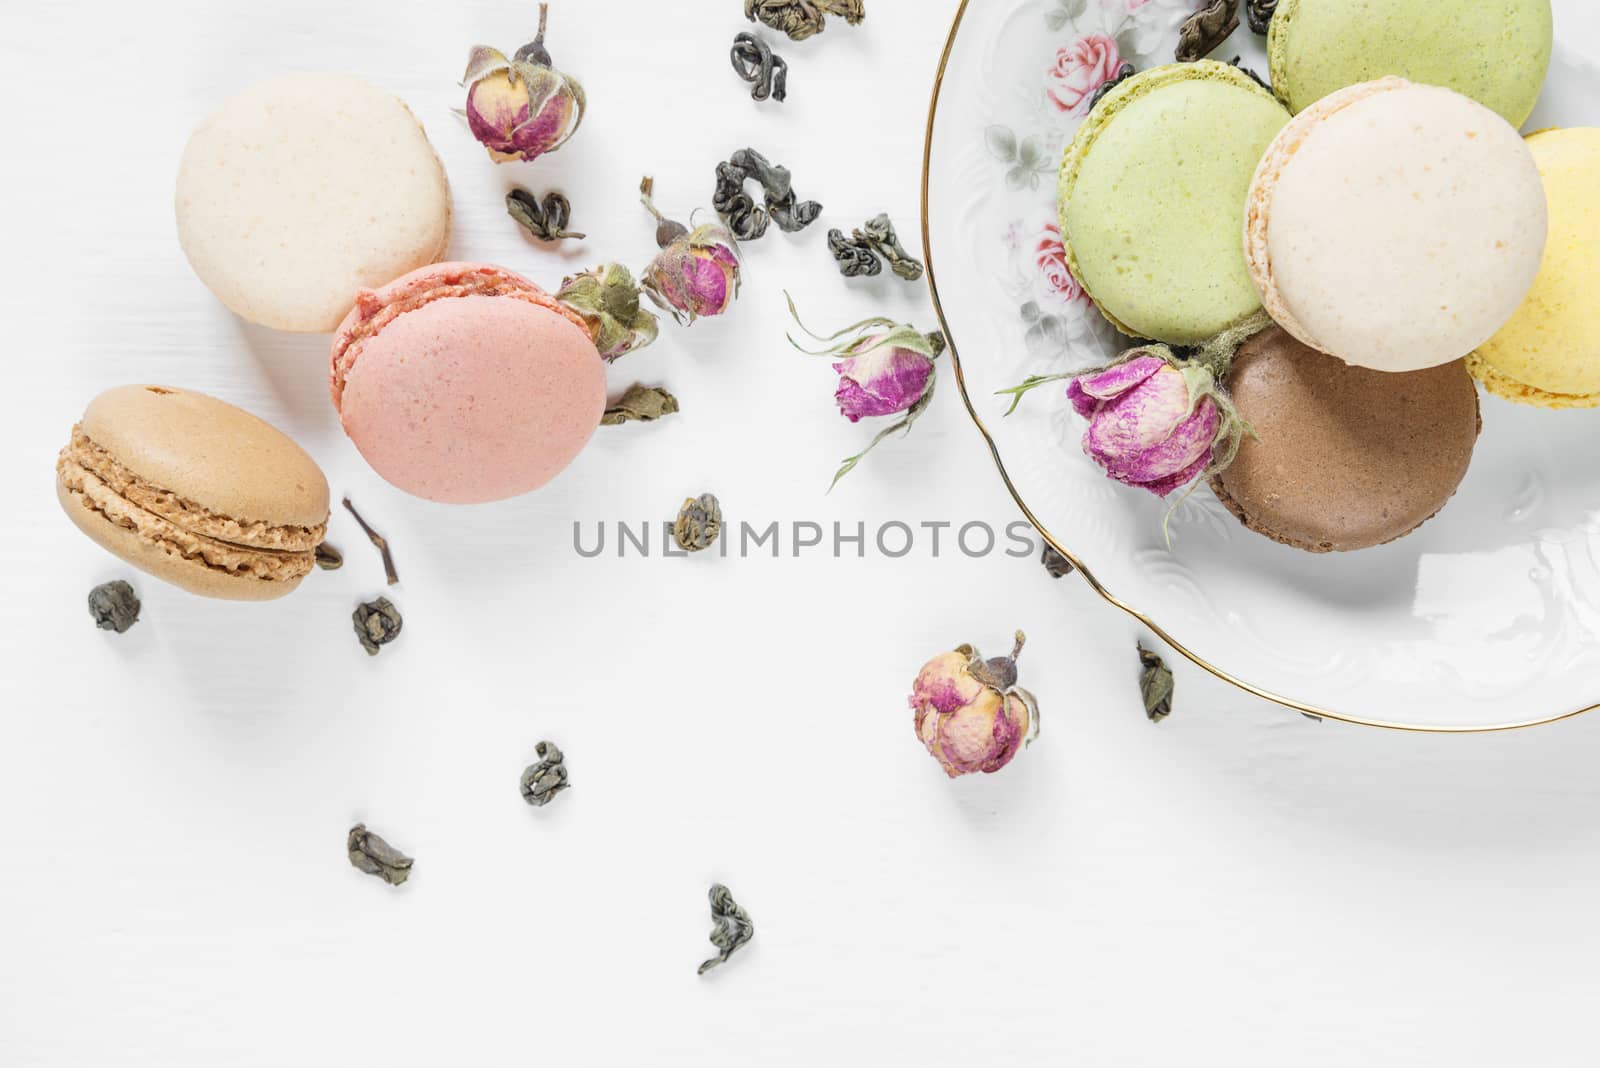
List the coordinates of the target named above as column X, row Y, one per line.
column 970, row 713
column 886, row 373
column 884, row 367
column 608, row 300
column 522, row 107
column 1152, row 423
column 1158, row 421
column 696, row 273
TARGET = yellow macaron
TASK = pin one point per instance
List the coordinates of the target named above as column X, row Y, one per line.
column 1548, row 354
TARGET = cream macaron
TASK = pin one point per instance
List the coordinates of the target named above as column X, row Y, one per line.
column 1394, row 225
column 303, row 190
column 194, row 491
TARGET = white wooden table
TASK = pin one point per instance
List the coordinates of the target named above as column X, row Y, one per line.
column 1238, row 885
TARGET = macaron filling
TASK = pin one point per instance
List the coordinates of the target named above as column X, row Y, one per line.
column 183, row 528
column 374, row 311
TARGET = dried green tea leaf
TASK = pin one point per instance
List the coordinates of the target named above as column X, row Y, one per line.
column 376, row 539
column 855, row 256
column 114, row 606
column 755, row 62
column 746, row 221
column 800, row 19
column 699, row 523
column 880, row 232
column 329, row 558
column 1155, row 685
column 371, row 854
column 1124, row 72
column 1238, row 61
column 1058, row 566
column 1206, row 29
column 377, row 624
column 545, row 219
column 733, row 927
column 1260, row 14
column 541, row 782
column 641, row 403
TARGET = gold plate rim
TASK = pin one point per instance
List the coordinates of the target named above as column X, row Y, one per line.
column 1078, row 565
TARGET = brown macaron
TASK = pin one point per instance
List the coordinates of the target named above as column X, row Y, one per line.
column 1343, row 457
column 194, row 491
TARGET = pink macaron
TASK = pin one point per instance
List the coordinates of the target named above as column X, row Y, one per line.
column 465, row 383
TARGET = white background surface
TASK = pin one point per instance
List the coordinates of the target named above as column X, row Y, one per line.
column 1238, row 885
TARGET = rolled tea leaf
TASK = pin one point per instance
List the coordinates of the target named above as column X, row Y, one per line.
column 1206, row 29
column 377, row 624
column 371, row 854
column 1155, row 685
column 699, row 523
column 737, row 208
column 732, row 927
column 1238, row 61
column 880, row 232
column 545, row 219
column 642, row 404
column 1058, row 566
column 1124, row 72
column 1260, row 14
column 855, row 256
column 329, row 558
column 800, row 19
column 782, row 205
column 114, row 606
column 542, row 781
column 793, row 215
column 755, row 62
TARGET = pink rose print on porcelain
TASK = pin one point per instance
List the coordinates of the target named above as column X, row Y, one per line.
column 1081, row 68
column 1051, row 256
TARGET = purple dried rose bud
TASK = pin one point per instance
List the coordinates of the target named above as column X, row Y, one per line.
column 884, row 368
column 521, row 108
column 1152, row 424
column 696, row 273
column 970, row 713
column 886, row 373
column 608, row 300
column 1158, row 421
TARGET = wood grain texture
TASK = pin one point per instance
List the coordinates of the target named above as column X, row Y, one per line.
column 1236, row 885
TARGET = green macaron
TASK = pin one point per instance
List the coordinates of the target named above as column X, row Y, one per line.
column 1152, row 197
column 1495, row 52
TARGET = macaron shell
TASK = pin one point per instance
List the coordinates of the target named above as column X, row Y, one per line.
column 150, row 557
column 210, row 453
column 1549, row 353
column 1343, row 458
column 474, row 398
column 1151, row 190
column 1396, row 226
column 1495, row 51
column 303, row 189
